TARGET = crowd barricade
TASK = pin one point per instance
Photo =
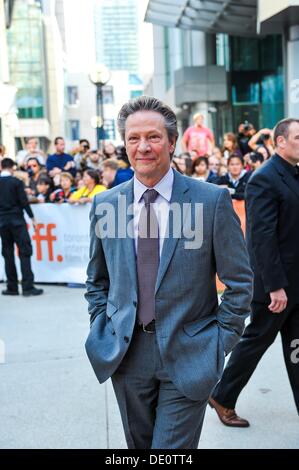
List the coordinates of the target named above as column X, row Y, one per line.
column 61, row 242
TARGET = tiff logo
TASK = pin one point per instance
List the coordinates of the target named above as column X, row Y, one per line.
column 44, row 235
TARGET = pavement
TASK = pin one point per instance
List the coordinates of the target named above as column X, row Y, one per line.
column 50, row 398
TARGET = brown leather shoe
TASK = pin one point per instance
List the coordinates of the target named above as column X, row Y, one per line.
column 228, row 416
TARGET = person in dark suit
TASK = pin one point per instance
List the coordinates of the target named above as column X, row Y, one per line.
column 272, row 205
column 13, row 231
column 156, row 327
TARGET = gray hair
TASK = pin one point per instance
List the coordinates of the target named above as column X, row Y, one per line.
column 282, row 128
column 148, row 103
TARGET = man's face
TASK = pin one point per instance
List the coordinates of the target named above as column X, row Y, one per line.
column 32, row 145
column 290, row 147
column 60, row 146
column 148, row 146
column 84, row 146
column 235, row 167
column 214, row 164
column 94, row 157
column 199, row 120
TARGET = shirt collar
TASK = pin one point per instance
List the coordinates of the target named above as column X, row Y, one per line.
column 232, row 180
column 163, row 187
column 5, row 173
column 288, row 166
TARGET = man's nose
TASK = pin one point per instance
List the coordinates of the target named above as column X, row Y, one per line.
column 143, row 145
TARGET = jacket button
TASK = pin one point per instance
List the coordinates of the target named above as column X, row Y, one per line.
column 127, row 339
column 135, row 303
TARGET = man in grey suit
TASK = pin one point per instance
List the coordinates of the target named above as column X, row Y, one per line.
column 157, row 242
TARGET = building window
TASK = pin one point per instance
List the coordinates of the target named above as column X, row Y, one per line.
column 108, row 97
column 109, row 128
column 73, row 95
column 135, row 93
column 27, row 63
column 257, row 81
column 74, row 129
column 168, row 78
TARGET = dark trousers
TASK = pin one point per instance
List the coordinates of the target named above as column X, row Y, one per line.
column 154, row 413
column 257, row 337
column 11, row 235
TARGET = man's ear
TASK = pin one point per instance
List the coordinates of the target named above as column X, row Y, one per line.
column 281, row 142
column 172, row 145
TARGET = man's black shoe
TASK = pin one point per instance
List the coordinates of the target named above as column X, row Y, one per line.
column 33, row 291
column 10, row 292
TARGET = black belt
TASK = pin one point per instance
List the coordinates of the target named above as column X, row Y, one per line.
column 150, row 328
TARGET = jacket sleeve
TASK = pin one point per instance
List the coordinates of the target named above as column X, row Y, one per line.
column 262, row 208
column 233, row 269
column 23, row 200
column 97, row 283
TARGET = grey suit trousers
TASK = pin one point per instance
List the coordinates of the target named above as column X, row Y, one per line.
column 154, row 413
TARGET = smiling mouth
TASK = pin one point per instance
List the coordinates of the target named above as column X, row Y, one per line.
column 145, row 159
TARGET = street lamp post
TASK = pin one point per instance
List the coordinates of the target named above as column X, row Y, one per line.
column 99, row 76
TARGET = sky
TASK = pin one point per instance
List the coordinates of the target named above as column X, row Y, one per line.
column 80, row 33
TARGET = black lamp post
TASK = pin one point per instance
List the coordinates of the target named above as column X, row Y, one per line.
column 99, row 76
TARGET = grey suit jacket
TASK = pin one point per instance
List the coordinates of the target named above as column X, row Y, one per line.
column 193, row 332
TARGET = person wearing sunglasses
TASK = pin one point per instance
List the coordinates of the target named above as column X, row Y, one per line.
column 34, row 169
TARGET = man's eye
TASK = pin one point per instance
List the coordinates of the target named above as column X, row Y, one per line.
column 132, row 139
column 154, row 137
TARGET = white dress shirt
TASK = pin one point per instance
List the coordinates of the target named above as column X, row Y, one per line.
column 160, row 206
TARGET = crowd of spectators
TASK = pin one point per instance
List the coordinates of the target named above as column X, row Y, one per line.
column 76, row 177
column 229, row 166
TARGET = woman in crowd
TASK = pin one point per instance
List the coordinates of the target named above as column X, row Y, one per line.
column 34, row 170
column 109, row 151
column 91, row 187
column 44, row 188
column 201, row 170
column 230, row 145
column 217, row 153
column 66, row 189
column 179, row 164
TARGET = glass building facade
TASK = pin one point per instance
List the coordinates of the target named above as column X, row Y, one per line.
column 256, row 80
column 26, row 58
column 117, row 34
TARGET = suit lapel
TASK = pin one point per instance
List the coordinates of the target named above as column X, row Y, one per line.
column 290, row 181
column 128, row 242
column 180, row 195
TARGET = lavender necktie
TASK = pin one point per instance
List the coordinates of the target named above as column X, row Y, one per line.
column 147, row 258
